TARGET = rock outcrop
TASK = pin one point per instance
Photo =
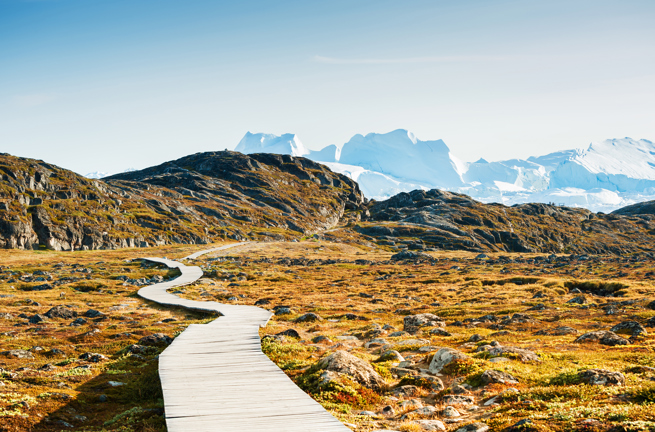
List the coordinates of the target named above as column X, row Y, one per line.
column 193, row 200
column 451, row 221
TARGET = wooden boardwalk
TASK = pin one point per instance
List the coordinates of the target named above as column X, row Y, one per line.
column 216, row 378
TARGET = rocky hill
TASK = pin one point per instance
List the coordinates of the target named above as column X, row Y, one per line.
column 646, row 208
column 451, row 221
column 195, row 199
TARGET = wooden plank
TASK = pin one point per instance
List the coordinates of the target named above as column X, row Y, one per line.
column 215, row 376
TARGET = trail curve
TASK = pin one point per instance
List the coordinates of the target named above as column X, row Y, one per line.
column 215, row 376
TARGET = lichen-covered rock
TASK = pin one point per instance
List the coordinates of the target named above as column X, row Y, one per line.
column 360, row 370
column 601, row 377
column 444, row 357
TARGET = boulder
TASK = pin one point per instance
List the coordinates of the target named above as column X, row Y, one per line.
column 578, row 300
column 521, row 354
column 632, row 328
column 411, row 255
column 92, row 313
column 308, row 317
column 444, row 357
column 17, row 353
column 61, row 312
column 559, row 331
column 474, row 427
column 493, row 376
column 413, row 322
column 156, row 339
column 601, row 377
column 430, row 425
column 78, row 322
column 458, row 400
column 92, row 357
column 290, row 333
column 360, row 370
column 604, row 337
column 390, row 355
column 35, row 319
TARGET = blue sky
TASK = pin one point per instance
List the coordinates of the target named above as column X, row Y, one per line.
column 106, row 85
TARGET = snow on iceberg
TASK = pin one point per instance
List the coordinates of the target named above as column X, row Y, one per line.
column 401, row 155
column 605, row 176
column 269, row 143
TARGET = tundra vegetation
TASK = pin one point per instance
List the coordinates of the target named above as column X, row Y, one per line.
column 384, row 341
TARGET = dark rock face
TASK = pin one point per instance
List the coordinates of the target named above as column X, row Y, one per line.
column 195, row 199
column 451, row 221
column 642, row 208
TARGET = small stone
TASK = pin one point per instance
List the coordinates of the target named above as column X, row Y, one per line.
column 450, row 412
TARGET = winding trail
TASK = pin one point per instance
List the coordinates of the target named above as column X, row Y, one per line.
column 215, row 376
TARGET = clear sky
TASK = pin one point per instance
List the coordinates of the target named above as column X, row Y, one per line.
column 111, row 84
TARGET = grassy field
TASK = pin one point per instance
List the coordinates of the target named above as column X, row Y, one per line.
column 505, row 312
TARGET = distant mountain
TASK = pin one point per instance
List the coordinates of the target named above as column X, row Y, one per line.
column 607, row 175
